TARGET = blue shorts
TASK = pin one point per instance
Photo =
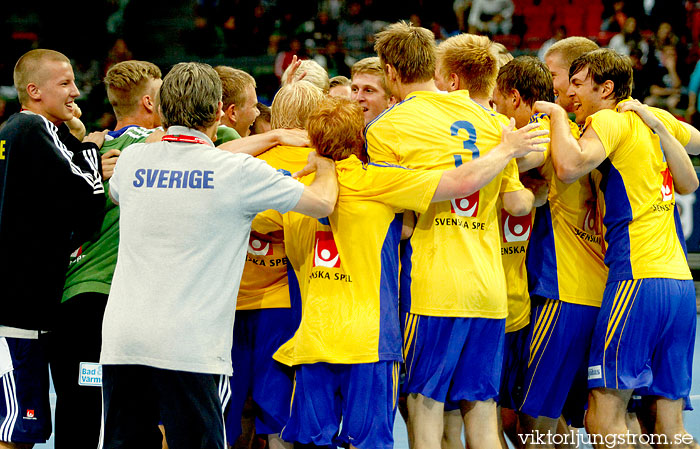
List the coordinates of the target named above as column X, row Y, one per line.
column 363, row 396
column 25, row 412
column 515, row 357
column 559, row 340
column 644, row 338
column 257, row 334
column 441, row 354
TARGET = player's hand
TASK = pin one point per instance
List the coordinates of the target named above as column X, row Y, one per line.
column 293, row 137
column 76, row 110
column 109, row 160
column 524, row 140
column 545, row 107
column 156, row 136
column 537, row 185
column 642, row 111
column 314, row 163
column 295, row 64
column 96, row 137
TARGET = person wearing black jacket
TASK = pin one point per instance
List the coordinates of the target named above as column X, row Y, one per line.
column 38, row 232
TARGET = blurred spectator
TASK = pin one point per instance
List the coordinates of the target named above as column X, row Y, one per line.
column 440, row 33
column 691, row 114
column 630, row 39
column 642, row 77
column 356, row 32
column 615, row 22
column 665, row 90
column 491, row 16
column 559, row 34
column 663, row 37
column 461, row 9
column 340, row 87
column 118, row 53
column 284, row 58
column 206, row 39
column 334, row 59
column 317, row 33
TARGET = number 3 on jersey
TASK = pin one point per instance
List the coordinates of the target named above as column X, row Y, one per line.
column 467, row 206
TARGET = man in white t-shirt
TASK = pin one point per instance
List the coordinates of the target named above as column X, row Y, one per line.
column 186, row 210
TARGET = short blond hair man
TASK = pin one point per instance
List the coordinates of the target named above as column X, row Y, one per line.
column 369, row 88
column 37, row 151
column 467, row 61
column 239, row 98
column 559, row 58
column 432, row 129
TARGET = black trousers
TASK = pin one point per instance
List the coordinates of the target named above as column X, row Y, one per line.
column 77, row 338
column 137, row 397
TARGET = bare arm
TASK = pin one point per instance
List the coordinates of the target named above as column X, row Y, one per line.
column 685, row 180
column 259, row 143
column 319, row 198
column 75, row 125
column 475, row 174
column 519, row 202
column 109, row 160
column 693, row 147
column 530, row 161
column 571, row 158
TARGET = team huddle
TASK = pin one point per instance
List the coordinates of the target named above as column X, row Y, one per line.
column 445, row 243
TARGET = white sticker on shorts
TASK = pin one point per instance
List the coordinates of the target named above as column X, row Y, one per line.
column 594, row 372
column 90, row 374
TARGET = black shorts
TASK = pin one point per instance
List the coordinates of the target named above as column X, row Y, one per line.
column 137, row 398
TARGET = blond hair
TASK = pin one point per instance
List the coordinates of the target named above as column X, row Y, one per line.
column 371, row 66
column 234, row 83
column 339, row 80
column 501, row 53
column 190, row 96
column 335, row 128
column 126, row 83
column 28, row 70
column 294, row 103
column 472, row 59
column 571, row 48
column 313, row 73
column 410, row 50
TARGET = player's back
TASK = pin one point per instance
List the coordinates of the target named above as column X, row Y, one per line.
column 642, row 224
column 454, row 240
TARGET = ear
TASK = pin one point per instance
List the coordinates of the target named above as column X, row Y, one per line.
column 33, row 91
column 390, row 72
column 229, row 112
column 220, row 113
column 515, row 98
column 607, row 88
column 454, row 82
column 148, row 103
column 392, row 101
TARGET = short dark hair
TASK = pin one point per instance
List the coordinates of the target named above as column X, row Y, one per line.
column 529, row 76
column 606, row 64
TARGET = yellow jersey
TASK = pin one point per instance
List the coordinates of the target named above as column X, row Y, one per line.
column 642, row 224
column 567, row 261
column 452, row 264
column 265, row 281
column 347, row 265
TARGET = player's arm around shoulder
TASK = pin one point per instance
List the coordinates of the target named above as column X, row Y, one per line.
column 475, row 174
column 571, row 158
column 318, row 199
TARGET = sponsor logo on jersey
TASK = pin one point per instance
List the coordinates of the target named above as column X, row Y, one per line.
column 325, row 252
column 667, row 185
column 467, row 206
column 589, row 219
column 2, row 149
column 516, row 229
column 30, row 414
column 259, row 247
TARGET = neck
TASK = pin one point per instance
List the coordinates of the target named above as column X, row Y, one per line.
column 483, row 101
column 404, row 90
column 144, row 120
column 37, row 110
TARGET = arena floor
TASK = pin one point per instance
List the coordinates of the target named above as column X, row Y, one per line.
column 692, row 419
